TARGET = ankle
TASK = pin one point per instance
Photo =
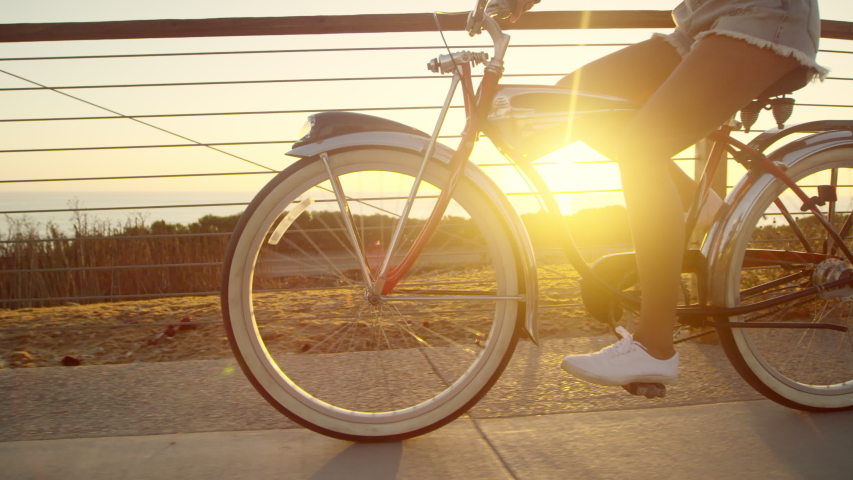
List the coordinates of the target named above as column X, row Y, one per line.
column 661, row 353
column 661, row 350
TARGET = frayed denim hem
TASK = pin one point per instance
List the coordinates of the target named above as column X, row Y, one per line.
column 681, row 44
column 783, row 50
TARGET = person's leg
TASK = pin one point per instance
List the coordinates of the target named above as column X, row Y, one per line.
column 719, row 76
column 633, row 73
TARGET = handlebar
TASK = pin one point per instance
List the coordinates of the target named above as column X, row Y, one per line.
column 478, row 20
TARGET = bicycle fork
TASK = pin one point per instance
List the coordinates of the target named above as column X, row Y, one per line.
column 387, row 278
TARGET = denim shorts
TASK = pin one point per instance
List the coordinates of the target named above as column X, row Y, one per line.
column 788, row 27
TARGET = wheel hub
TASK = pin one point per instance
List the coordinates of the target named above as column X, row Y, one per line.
column 831, row 270
column 372, row 298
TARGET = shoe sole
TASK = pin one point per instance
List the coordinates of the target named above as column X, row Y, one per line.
column 620, row 381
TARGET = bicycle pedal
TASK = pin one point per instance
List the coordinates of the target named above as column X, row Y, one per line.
column 648, row 390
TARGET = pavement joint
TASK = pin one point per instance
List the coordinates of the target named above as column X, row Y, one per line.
column 494, row 449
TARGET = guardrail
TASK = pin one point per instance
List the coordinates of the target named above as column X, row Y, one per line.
column 127, row 261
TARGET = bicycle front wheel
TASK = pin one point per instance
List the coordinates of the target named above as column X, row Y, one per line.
column 338, row 360
column 783, row 250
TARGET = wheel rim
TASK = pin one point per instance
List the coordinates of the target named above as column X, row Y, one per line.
column 797, row 363
column 359, row 361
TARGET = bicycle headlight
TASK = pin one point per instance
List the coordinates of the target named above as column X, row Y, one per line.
column 305, row 132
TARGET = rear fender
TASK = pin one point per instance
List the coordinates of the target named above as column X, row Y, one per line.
column 719, row 246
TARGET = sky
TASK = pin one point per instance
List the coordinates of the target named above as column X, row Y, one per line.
column 310, row 96
column 39, row 11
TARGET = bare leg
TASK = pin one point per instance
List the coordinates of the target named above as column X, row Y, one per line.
column 718, row 77
column 633, row 73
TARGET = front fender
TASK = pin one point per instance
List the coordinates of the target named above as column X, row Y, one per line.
column 442, row 153
column 394, row 140
column 325, row 125
column 720, row 247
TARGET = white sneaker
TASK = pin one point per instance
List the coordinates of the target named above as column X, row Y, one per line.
column 624, row 362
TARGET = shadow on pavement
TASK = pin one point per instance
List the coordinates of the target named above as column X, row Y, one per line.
column 368, row 461
column 816, row 445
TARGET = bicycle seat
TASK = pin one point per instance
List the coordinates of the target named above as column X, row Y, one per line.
column 781, row 107
column 793, row 81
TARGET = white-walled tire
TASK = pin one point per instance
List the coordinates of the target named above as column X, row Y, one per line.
column 807, row 369
column 319, row 350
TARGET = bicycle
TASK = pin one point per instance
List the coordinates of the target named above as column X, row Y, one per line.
column 376, row 289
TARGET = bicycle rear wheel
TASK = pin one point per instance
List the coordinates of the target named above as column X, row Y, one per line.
column 344, row 363
column 775, row 255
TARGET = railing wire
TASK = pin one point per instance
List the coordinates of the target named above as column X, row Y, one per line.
column 9, row 242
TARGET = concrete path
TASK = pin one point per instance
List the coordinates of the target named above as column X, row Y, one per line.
column 202, row 420
column 742, row 440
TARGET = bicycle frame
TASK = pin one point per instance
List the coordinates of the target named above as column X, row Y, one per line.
column 479, row 119
column 477, row 107
column 381, row 358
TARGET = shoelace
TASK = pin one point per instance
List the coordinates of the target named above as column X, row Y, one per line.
column 623, row 346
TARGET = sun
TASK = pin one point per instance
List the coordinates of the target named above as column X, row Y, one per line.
column 577, row 174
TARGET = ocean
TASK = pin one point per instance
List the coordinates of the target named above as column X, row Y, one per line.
column 129, row 202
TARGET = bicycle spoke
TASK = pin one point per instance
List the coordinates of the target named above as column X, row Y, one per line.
column 833, row 182
column 344, row 348
column 347, row 217
column 447, row 339
column 332, row 231
column 405, row 327
column 804, row 363
column 328, row 266
column 405, row 333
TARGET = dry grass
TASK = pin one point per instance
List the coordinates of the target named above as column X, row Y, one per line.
column 96, row 261
column 41, row 265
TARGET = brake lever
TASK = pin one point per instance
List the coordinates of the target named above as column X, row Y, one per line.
column 474, row 25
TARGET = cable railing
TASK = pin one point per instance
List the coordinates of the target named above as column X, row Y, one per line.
column 14, row 242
